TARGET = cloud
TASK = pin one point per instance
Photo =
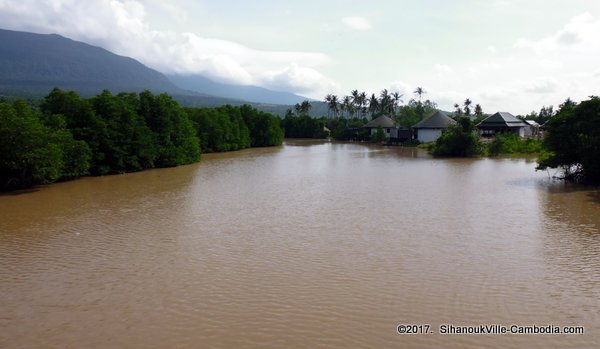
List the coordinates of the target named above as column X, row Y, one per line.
column 120, row 26
column 358, row 23
column 492, row 49
column 541, row 85
column 580, row 35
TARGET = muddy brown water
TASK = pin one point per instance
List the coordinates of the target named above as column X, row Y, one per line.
column 308, row 245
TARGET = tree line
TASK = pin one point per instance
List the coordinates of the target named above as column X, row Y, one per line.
column 68, row 136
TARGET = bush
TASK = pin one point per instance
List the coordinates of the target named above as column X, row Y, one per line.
column 458, row 140
column 511, row 143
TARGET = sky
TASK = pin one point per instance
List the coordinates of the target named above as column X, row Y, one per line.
column 506, row 55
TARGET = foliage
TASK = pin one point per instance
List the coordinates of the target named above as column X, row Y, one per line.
column 220, row 129
column 511, row 143
column 458, row 140
column 303, row 126
column 34, row 153
column 71, row 136
column 379, row 136
column 573, row 141
column 264, row 128
column 415, row 111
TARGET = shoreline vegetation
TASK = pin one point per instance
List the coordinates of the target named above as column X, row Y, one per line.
column 66, row 136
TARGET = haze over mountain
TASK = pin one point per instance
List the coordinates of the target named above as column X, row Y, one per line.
column 32, row 64
column 201, row 84
column 35, row 63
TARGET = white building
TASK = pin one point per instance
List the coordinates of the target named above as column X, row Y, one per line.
column 431, row 128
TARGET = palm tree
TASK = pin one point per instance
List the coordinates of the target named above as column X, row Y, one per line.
column 332, row 105
column 355, row 101
column 305, row 107
column 478, row 110
column 363, row 103
column 397, row 98
column 373, row 105
column 385, row 102
column 467, row 107
column 420, row 92
column 328, row 102
column 298, row 109
column 348, row 105
column 458, row 110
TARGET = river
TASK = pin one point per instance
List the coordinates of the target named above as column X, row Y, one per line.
column 307, row 245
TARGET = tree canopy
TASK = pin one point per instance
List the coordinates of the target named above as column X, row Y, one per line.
column 70, row 136
column 573, row 141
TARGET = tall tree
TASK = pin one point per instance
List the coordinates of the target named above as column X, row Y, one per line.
column 419, row 91
column 305, row 107
column 467, row 107
column 347, row 105
column 397, row 98
column 478, row 110
column 373, row 105
column 573, row 141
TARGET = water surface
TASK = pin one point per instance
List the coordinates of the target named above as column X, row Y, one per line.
column 308, row 245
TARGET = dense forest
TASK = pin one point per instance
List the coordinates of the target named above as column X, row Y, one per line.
column 68, row 136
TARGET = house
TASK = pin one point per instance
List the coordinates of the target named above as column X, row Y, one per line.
column 386, row 123
column 532, row 129
column 431, row 128
column 501, row 122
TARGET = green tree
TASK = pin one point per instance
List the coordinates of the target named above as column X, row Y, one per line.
column 458, row 140
column 573, row 141
column 265, row 129
column 33, row 153
column 175, row 136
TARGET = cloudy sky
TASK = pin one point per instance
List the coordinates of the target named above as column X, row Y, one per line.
column 508, row 55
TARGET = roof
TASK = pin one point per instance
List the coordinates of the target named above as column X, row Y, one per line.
column 532, row 123
column 439, row 119
column 501, row 119
column 382, row 121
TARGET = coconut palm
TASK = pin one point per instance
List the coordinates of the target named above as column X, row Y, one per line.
column 347, row 103
column 305, row 107
column 467, row 107
column 397, row 98
column 363, row 103
column 373, row 105
column 332, row 105
column 458, row 111
column 419, row 91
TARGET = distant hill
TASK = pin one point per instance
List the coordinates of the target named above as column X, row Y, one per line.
column 35, row 63
column 31, row 65
column 255, row 94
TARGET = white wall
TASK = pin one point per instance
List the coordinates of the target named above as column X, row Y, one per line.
column 425, row 135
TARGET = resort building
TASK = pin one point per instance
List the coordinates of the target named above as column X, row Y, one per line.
column 386, row 123
column 501, row 122
column 431, row 128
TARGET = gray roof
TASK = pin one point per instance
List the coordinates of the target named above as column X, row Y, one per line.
column 501, row 120
column 532, row 123
column 382, row 121
column 439, row 119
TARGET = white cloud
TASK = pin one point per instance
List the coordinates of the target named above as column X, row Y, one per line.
column 541, row 85
column 358, row 23
column 579, row 35
column 120, row 26
column 443, row 71
column 492, row 49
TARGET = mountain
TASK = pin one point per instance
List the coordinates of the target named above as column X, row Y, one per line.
column 35, row 63
column 31, row 65
column 255, row 94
